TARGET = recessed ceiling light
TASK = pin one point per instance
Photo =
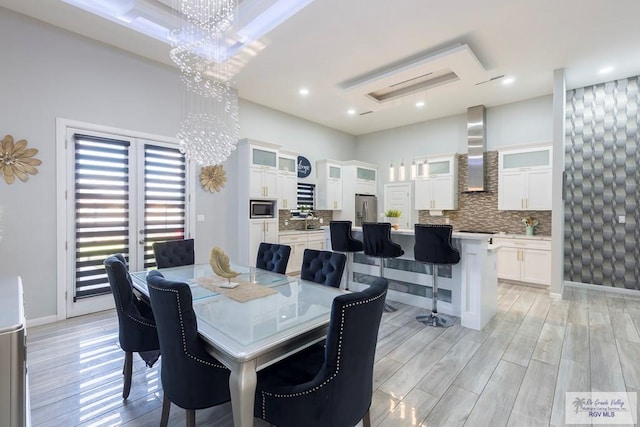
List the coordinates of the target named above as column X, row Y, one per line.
column 508, row 80
column 351, row 111
column 420, row 104
column 606, row 70
column 304, row 91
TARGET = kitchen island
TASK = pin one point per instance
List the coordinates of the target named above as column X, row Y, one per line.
column 467, row 290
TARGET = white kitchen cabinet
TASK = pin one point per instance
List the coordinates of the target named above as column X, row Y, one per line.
column 399, row 196
column 261, row 230
column 315, row 241
column 287, row 181
column 299, row 242
column 524, row 260
column 524, row 179
column 257, row 178
column 366, row 180
column 329, row 185
column 436, row 186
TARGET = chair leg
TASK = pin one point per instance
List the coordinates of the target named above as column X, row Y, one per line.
column 127, row 371
column 191, row 418
column 346, row 282
column 366, row 420
column 166, row 408
column 434, row 318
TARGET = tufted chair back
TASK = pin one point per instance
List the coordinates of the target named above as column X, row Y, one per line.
column 191, row 377
column 328, row 386
column 323, row 267
column 174, row 253
column 433, row 244
column 377, row 240
column 137, row 326
column 273, row 257
column 341, row 239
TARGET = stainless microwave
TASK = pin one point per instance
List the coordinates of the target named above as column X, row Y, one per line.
column 262, row 208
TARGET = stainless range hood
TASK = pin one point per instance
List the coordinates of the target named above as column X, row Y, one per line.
column 476, row 145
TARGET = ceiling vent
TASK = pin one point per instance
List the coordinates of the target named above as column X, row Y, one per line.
column 414, row 84
column 412, row 75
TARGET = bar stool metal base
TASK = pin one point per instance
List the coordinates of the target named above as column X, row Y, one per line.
column 388, row 308
column 435, row 320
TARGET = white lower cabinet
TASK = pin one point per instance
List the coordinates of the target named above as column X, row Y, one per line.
column 261, row 231
column 299, row 242
column 524, row 260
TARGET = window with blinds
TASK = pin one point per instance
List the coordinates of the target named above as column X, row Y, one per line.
column 106, row 219
column 164, row 191
column 305, row 198
column 101, row 209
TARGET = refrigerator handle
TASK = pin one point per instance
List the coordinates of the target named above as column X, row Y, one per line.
column 365, row 207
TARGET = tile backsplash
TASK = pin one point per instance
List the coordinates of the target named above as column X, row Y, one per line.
column 284, row 216
column 479, row 211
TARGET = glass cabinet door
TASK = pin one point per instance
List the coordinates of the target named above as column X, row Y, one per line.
column 366, row 174
column 264, row 158
column 334, row 172
column 526, row 159
column 287, row 164
column 438, row 168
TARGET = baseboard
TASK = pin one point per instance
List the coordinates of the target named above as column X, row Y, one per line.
column 41, row 321
column 611, row 289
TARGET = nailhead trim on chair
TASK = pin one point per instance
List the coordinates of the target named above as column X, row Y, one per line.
column 121, row 307
column 328, row 380
column 184, row 341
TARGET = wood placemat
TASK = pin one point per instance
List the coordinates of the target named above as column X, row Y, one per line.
column 245, row 291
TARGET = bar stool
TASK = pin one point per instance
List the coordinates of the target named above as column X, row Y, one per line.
column 343, row 241
column 377, row 243
column 433, row 246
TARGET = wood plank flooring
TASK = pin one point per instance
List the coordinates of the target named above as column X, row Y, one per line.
column 513, row 373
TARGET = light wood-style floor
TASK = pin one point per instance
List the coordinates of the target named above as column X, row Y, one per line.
column 513, row 373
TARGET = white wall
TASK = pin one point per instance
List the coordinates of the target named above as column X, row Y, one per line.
column 519, row 123
column 49, row 73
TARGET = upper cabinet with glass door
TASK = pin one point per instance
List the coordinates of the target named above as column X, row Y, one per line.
column 329, row 185
column 436, row 187
column 525, row 178
column 263, row 172
column 359, row 178
column 287, row 180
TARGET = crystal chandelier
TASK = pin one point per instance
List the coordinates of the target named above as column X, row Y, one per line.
column 209, row 128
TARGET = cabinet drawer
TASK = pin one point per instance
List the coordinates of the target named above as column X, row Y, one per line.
column 523, row 243
column 285, row 240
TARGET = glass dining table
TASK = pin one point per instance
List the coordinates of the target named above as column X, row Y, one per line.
column 249, row 336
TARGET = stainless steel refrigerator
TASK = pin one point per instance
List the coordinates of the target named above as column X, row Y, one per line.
column 366, row 209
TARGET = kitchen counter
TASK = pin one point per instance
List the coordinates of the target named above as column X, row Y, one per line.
column 291, row 232
column 521, row 236
column 467, row 290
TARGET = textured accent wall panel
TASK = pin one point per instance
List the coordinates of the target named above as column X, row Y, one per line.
column 601, row 156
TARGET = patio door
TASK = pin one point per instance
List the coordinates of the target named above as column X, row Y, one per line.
column 123, row 194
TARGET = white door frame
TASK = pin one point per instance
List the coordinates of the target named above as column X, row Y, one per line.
column 64, row 208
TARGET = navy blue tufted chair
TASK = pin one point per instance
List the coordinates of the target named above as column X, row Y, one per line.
column 273, row 257
column 174, row 253
column 191, row 377
column 328, row 386
column 323, row 267
column 137, row 327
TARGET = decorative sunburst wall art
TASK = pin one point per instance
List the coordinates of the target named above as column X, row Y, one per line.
column 16, row 160
column 213, row 178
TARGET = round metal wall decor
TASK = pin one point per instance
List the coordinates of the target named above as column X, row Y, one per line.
column 304, row 167
column 213, row 178
column 16, row 160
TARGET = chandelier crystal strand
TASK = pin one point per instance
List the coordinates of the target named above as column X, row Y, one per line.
column 209, row 129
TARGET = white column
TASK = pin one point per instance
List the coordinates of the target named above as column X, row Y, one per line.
column 557, row 191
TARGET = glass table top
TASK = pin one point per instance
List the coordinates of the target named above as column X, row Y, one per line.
column 246, row 329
